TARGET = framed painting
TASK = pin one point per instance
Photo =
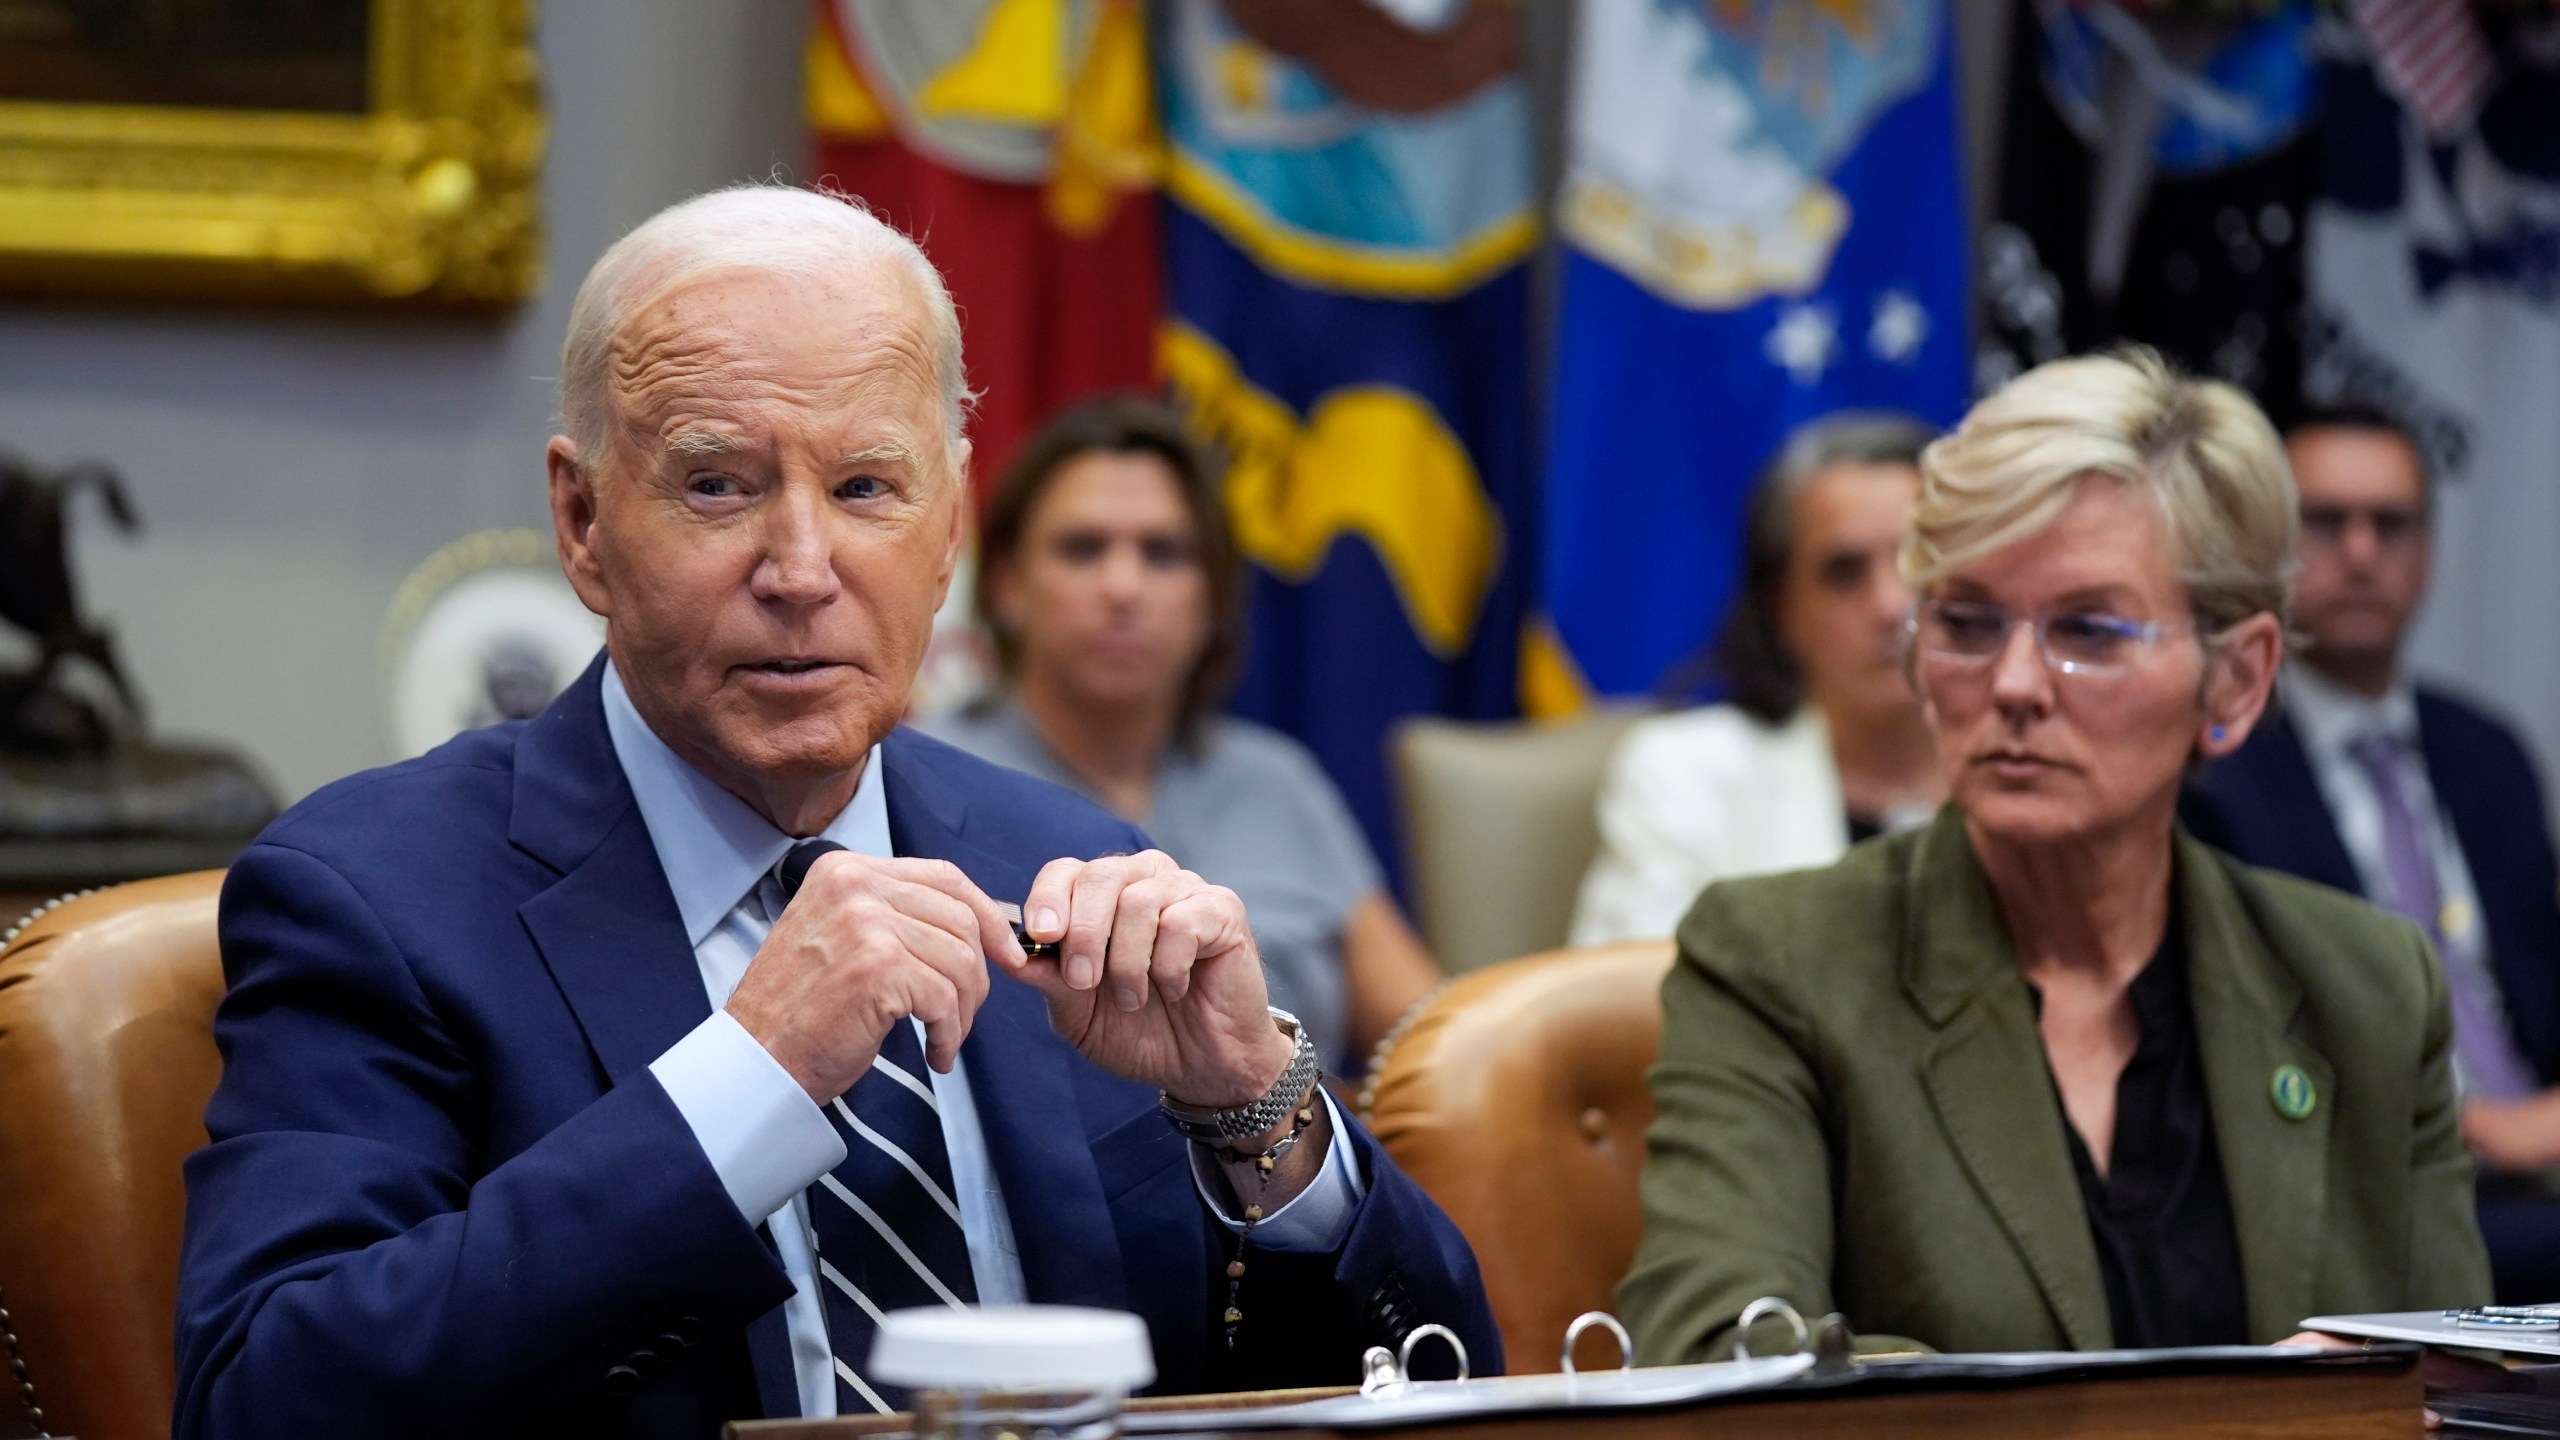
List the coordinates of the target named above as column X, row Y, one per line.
column 311, row 149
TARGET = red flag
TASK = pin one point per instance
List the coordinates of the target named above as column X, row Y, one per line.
column 2433, row 55
column 1015, row 139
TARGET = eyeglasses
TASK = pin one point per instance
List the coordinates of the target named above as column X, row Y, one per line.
column 2072, row 642
column 2393, row 525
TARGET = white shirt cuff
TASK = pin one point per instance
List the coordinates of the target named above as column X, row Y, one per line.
column 766, row 1140
column 1317, row 1218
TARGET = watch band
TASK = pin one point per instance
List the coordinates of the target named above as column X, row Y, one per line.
column 1225, row 1127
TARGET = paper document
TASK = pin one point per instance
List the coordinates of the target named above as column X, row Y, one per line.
column 2432, row 1327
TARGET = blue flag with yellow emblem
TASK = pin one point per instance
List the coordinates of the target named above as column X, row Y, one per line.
column 1349, row 323
column 1763, row 223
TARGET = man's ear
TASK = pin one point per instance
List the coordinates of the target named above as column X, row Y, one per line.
column 573, row 523
column 1004, row 589
column 959, row 536
column 2238, row 682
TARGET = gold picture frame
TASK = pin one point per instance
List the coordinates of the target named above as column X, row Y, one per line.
column 428, row 195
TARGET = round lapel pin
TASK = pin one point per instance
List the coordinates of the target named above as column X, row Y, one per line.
column 2293, row 1092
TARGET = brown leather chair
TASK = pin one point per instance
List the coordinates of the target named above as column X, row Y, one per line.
column 1517, row 1097
column 106, row 1061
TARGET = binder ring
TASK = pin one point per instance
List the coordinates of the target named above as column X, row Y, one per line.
column 1378, row 1372
column 1761, row 1309
column 1602, row 1319
column 1404, row 1352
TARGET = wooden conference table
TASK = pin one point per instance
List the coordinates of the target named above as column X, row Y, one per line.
column 2379, row 1396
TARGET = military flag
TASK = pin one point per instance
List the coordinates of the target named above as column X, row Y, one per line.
column 2157, row 164
column 2434, row 277
column 1016, row 140
column 1351, row 201
column 1762, row 222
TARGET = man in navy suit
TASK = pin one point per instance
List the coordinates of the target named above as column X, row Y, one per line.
column 613, row 1072
column 2362, row 780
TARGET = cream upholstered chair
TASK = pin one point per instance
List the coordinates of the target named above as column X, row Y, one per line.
column 1498, row 828
column 106, row 1061
column 1518, row 1098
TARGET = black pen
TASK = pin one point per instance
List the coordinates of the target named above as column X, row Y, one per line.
column 1036, row 949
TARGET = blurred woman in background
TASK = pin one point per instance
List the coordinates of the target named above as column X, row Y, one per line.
column 1819, row 742
column 1114, row 598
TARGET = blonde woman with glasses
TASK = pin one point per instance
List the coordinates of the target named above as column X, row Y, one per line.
column 2048, row 1074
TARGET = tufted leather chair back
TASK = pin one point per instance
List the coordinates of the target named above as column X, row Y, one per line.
column 106, row 1061
column 1518, row 1098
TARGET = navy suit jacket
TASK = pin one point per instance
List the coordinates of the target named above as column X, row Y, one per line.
column 2263, row 804
column 445, row 1196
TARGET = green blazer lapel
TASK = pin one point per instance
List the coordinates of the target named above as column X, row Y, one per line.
column 2269, row 1090
column 1987, row 1077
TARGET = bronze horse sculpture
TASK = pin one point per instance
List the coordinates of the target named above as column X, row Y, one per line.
column 38, row 712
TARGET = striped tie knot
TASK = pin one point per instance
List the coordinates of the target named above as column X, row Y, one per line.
column 886, row 1223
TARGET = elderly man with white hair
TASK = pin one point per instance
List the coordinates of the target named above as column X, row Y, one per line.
column 613, row 1072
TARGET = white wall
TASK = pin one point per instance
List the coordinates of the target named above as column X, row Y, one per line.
column 292, row 467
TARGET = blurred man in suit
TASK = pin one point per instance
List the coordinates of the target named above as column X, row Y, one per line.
column 612, row 1072
column 2367, row 781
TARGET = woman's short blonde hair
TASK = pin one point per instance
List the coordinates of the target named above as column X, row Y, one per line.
column 2200, row 449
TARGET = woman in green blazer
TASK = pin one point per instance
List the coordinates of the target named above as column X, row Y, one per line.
column 2049, row 1074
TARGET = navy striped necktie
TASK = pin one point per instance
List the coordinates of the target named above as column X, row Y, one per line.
column 886, row 1222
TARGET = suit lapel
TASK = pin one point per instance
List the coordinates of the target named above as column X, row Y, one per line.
column 2466, row 791
column 615, row 943
column 769, row 1354
column 609, row 930
column 1988, row 1080
column 1020, row 1072
column 2296, row 811
column 2248, row 1011
column 2468, row 794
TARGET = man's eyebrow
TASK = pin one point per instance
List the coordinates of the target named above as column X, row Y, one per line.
column 693, row 440
column 886, row 452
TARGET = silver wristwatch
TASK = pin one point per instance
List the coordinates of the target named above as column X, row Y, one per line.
column 1223, row 1128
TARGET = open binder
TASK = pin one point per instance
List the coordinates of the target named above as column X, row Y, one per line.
column 1424, row 1402
column 1823, row 1363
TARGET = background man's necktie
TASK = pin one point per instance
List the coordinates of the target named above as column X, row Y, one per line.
column 886, row 1222
column 2486, row 1053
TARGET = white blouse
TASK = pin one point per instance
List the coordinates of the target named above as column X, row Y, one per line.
column 1703, row 795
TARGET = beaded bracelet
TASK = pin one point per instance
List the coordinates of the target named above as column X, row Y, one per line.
column 1263, row 1165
